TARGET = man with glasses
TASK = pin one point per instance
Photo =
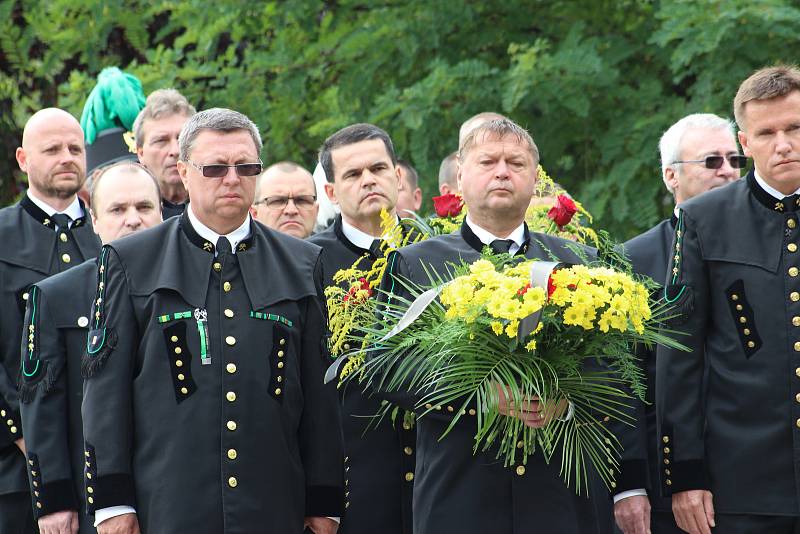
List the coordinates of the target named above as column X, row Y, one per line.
column 698, row 153
column 204, row 406
column 286, row 199
column 363, row 179
column 728, row 412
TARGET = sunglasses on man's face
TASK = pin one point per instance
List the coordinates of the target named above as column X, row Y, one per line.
column 715, row 162
column 218, row 170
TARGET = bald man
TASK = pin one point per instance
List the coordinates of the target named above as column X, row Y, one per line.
column 286, row 199
column 47, row 232
column 473, row 122
column 448, row 175
column 125, row 199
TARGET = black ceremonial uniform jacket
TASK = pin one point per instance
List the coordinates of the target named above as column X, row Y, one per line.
column 456, row 490
column 204, row 405
column 56, row 323
column 734, row 276
column 379, row 458
column 649, row 254
column 32, row 250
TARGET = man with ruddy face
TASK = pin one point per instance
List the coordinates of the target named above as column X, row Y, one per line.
column 698, row 153
column 125, row 200
column 458, row 489
column 156, row 131
column 360, row 164
column 47, row 232
column 286, row 199
column 187, row 335
column 727, row 411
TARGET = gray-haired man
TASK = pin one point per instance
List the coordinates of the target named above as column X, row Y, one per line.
column 204, row 407
column 156, row 131
column 698, row 153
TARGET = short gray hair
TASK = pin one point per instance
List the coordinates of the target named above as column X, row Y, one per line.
column 670, row 144
column 498, row 129
column 219, row 119
column 159, row 104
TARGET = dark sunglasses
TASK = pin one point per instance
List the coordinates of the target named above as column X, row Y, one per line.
column 218, row 170
column 715, row 162
column 302, row 202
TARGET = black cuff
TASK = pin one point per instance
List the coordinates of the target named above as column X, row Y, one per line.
column 324, row 501
column 684, row 476
column 55, row 497
column 634, row 475
column 10, row 425
column 110, row 490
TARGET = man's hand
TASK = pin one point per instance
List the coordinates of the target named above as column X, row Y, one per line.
column 20, row 443
column 694, row 511
column 532, row 411
column 121, row 524
column 63, row 522
column 633, row 514
column 321, row 525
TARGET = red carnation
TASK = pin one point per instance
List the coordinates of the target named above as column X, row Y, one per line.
column 551, row 287
column 563, row 211
column 351, row 294
column 448, row 205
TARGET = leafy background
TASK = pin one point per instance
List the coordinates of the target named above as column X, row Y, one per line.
column 595, row 81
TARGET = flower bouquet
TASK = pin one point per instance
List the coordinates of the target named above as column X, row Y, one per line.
column 533, row 330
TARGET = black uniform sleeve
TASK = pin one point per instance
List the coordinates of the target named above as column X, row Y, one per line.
column 679, row 375
column 10, row 424
column 44, row 404
column 319, row 434
column 107, row 368
column 632, row 436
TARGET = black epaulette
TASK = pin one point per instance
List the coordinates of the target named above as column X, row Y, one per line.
column 100, row 342
column 34, row 374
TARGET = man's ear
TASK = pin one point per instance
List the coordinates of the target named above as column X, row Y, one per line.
column 742, row 141
column 22, row 159
column 671, row 179
column 331, row 192
column 182, row 172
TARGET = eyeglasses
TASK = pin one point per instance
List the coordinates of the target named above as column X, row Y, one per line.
column 218, row 170
column 302, row 202
column 715, row 162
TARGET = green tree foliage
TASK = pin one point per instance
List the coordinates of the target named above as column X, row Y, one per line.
column 596, row 81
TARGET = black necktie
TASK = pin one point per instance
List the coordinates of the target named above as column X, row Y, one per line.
column 375, row 249
column 223, row 247
column 501, row 246
column 62, row 221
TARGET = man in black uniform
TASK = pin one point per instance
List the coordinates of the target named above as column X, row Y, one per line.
column 456, row 490
column 125, row 199
column 360, row 163
column 156, row 130
column 698, row 153
column 45, row 233
column 729, row 450
column 204, row 406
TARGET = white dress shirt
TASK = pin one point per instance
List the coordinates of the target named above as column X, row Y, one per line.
column 358, row 237
column 769, row 189
column 74, row 210
column 486, row 237
column 234, row 238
